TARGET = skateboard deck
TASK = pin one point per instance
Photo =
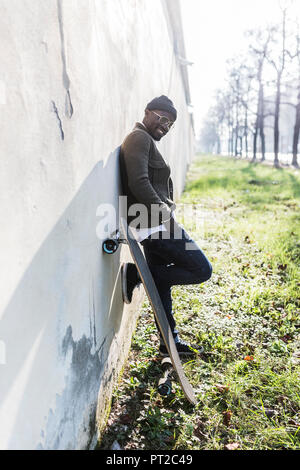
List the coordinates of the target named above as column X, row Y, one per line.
column 158, row 309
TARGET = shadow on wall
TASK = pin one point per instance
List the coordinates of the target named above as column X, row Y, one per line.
column 59, row 324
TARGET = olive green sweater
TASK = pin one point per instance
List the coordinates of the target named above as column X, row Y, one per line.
column 146, row 177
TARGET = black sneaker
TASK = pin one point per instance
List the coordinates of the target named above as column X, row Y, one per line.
column 130, row 279
column 184, row 349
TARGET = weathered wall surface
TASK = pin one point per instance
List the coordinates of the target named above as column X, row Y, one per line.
column 75, row 76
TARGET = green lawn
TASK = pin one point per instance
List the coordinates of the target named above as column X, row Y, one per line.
column 246, row 219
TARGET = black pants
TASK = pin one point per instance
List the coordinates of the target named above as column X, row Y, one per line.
column 175, row 261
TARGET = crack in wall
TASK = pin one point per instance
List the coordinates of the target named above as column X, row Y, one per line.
column 55, row 110
column 66, row 79
column 68, row 105
column 93, row 316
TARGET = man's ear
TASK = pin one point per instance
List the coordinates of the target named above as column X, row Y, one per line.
column 147, row 116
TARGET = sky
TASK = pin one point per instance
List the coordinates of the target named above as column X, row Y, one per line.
column 214, row 32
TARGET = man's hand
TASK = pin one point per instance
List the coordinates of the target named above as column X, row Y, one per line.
column 160, row 213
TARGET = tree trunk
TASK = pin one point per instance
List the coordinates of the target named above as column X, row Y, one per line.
column 237, row 131
column 231, row 143
column 246, row 132
column 280, row 71
column 241, row 146
column 296, row 134
column 236, row 144
column 262, row 122
column 218, row 145
column 263, row 142
column 276, row 122
column 255, row 134
column 258, row 115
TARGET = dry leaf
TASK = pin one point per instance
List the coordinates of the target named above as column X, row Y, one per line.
column 222, row 388
column 286, row 338
column 282, row 398
column 232, row 446
column 154, row 338
column 227, row 417
column 269, row 412
column 126, row 419
column 199, row 430
column 248, row 358
column 294, row 423
column 282, row 267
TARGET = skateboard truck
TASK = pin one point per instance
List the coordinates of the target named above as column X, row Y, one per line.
column 110, row 245
column 165, row 382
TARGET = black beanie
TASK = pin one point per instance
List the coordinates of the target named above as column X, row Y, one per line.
column 162, row 103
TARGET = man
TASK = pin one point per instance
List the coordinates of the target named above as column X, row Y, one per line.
column 173, row 257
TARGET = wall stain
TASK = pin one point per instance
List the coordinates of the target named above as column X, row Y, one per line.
column 75, row 407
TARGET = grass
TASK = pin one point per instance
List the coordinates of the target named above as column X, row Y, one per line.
column 245, row 217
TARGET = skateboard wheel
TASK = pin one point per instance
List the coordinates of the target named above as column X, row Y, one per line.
column 166, row 363
column 165, row 388
column 110, row 246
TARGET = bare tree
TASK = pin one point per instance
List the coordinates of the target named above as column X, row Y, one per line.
column 278, row 59
column 242, row 108
column 247, row 76
column 236, row 93
column 297, row 105
column 297, row 125
column 228, row 103
column 259, row 49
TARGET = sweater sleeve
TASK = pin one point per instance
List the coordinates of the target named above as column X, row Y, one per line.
column 136, row 150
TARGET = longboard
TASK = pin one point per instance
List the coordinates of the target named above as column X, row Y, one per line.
column 158, row 309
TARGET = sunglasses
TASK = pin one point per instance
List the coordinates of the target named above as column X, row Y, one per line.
column 164, row 121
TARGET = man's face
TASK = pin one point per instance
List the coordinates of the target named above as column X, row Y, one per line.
column 155, row 125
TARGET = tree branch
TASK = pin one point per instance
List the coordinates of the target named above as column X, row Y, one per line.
column 288, row 103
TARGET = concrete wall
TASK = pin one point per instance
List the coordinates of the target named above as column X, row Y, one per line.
column 75, row 76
